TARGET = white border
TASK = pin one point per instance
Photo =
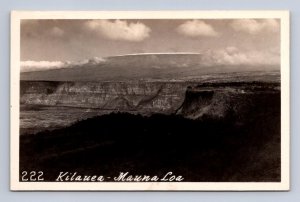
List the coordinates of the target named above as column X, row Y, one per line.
column 16, row 17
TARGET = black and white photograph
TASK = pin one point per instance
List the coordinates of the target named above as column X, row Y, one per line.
column 150, row 100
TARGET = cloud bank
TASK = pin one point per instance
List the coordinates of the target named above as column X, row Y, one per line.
column 119, row 30
column 30, row 66
column 196, row 28
column 233, row 56
column 252, row 26
column 57, row 32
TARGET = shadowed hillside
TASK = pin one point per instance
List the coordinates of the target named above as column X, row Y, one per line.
column 225, row 132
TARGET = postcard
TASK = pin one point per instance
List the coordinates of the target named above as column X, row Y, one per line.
column 150, row 100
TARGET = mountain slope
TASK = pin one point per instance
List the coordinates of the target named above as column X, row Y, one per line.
column 138, row 67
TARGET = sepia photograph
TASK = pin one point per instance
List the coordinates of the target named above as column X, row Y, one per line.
column 156, row 100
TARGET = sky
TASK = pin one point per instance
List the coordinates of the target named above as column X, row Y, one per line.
column 50, row 43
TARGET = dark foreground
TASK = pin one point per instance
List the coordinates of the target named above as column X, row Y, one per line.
column 200, row 150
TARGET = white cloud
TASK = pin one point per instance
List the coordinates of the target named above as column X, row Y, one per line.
column 233, row 56
column 57, row 32
column 29, row 65
column 196, row 28
column 120, row 29
column 252, row 26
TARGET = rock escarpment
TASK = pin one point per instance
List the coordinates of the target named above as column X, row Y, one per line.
column 142, row 97
column 191, row 100
column 220, row 101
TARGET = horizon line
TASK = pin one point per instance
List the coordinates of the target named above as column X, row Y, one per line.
column 157, row 53
column 111, row 56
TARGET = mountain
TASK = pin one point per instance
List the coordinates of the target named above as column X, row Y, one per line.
column 151, row 66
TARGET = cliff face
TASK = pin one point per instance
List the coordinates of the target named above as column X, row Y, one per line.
column 230, row 101
column 188, row 99
column 50, row 105
column 116, row 96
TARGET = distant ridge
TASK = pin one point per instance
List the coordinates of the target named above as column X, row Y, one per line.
column 163, row 53
column 140, row 66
